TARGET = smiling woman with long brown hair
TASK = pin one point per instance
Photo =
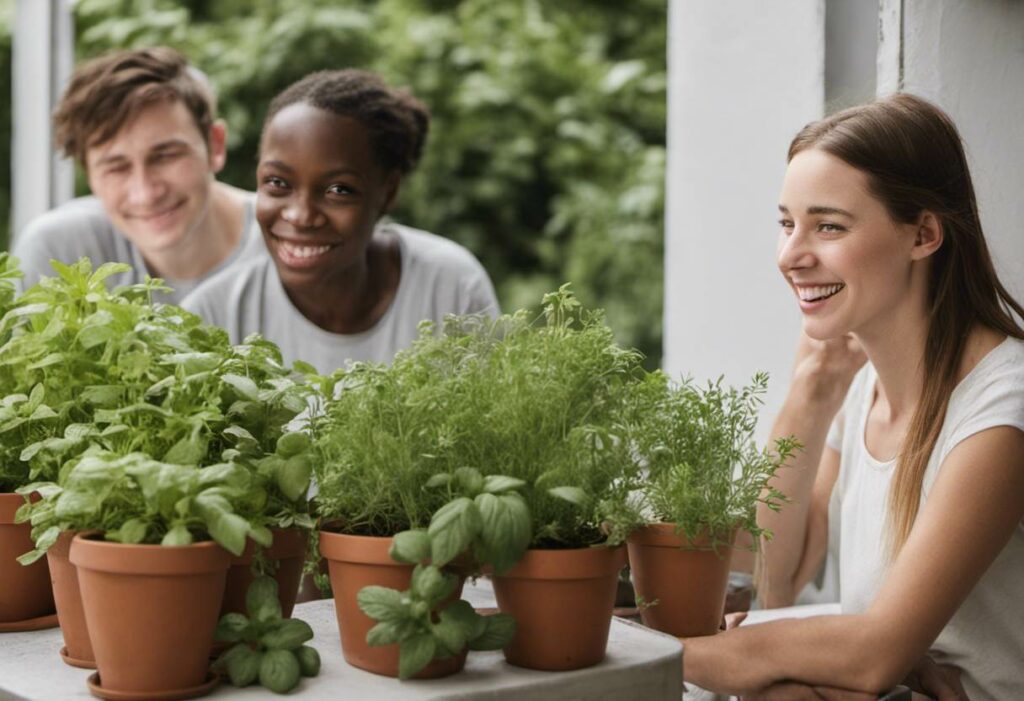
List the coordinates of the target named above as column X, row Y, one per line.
column 921, row 473
column 342, row 283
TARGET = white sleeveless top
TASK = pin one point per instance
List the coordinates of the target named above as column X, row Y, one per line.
column 985, row 637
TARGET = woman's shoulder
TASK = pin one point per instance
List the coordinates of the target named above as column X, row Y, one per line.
column 422, row 248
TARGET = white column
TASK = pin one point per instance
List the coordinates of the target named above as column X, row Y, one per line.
column 743, row 79
column 968, row 57
column 42, row 62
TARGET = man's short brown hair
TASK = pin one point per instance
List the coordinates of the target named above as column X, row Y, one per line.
column 106, row 92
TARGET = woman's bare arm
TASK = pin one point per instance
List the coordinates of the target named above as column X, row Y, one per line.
column 821, row 377
column 975, row 505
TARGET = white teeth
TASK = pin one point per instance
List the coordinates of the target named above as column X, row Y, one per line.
column 296, row 251
column 808, row 294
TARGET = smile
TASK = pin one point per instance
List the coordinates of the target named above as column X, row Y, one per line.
column 818, row 293
column 156, row 216
column 294, row 253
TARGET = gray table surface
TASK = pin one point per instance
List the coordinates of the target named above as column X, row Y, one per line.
column 642, row 665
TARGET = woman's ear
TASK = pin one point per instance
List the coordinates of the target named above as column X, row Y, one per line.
column 218, row 145
column 928, row 238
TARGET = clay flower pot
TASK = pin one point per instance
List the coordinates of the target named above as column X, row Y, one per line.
column 562, row 601
column 26, row 592
column 684, row 580
column 151, row 612
column 289, row 549
column 77, row 650
column 358, row 561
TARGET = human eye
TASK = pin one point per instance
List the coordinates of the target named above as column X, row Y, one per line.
column 340, row 190
column 786, row 225
column 273, row 183
column 830, row 228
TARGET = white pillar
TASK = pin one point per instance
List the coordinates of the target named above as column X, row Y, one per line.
column 968, row 57
column 43, row 56
column 743, row 79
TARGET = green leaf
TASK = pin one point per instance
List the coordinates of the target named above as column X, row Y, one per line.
column 279, row 671
column 262, row 536
column 450, row 634
column 177, row 535
column 188, row 451
column 505, row 531
column 573, row 495
column 452, row 529
column 431, row 584
column 230, row 531
column 243, row 664
column 289, row 634
column 439, row 480
column 292, row 444
column 232, row 628
column 391, row 632
column 293, row 477
column 132, row 531
column 469, row 480
column 500, row 483
column 261, row 600
column 243, row 385
column 462, row 612
column 381, row 603
column 412, row 547
column 309, row 660
column 414, row 654
column 498, row 633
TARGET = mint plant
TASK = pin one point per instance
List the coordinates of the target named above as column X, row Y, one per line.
column 266, row 647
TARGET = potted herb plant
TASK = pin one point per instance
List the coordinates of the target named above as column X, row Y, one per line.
column 551, row 407
column 124, row 376
column 28, row 599
column 702, row 479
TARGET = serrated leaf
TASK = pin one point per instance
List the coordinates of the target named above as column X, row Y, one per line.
column 391, row 632
column 451, row 634
column 431, row 584
column 452, row 529
column 381, row 603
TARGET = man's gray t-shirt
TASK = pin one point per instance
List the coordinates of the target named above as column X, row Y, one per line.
column 81, row 227
column 439, row 277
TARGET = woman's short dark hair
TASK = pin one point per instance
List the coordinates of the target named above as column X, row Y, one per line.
column 398, row 123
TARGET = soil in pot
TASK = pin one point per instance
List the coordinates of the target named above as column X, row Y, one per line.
column 289, row 551
column 27, row 595
column 77, row 650
column 562, row 601
column 358, row 561
column 682, row 582
column 151, row 612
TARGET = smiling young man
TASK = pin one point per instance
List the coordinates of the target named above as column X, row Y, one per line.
column 142, row 125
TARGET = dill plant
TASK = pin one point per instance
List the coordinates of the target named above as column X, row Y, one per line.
column 702, row 469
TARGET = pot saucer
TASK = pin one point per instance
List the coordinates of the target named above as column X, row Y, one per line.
column 37, row 623
column 82, row 664
column 212, row 680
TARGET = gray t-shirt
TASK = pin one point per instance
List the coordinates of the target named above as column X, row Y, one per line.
column 81, row 227
column 439, row 277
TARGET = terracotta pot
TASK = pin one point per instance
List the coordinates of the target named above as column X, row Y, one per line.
column 562, row 601
column 77, row 650
column 358, row 561
column 151, row 611
column 289, row 549
column 686, row 578
column 26, row 592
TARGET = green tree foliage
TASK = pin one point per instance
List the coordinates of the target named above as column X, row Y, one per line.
column 546, row 156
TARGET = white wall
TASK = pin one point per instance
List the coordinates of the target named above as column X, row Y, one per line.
column 743, row 79
column 968, row 57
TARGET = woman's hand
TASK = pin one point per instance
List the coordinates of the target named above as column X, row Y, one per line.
column 823, row 370
column 937, row 681
column 794, row 691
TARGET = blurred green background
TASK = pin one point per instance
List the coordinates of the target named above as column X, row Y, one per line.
column 547, row 149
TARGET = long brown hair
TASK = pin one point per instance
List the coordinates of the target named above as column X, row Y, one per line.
column 913, row 157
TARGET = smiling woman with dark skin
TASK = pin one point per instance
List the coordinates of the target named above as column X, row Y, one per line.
column 344, row 285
